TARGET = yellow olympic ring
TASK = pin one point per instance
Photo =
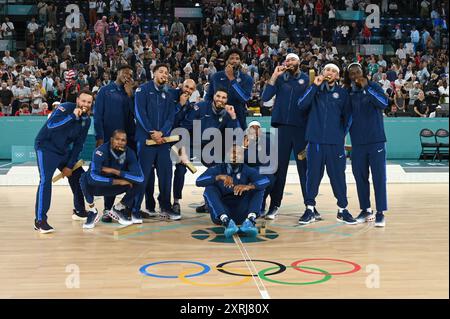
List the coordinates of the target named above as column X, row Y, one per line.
column 183, row 278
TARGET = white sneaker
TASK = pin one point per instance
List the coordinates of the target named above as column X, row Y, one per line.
column 92, row 219
column 118, row 216
column 136, row 218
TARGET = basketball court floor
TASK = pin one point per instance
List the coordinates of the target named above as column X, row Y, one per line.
column 191, row 258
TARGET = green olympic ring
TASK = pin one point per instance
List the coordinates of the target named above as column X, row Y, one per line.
column 327, row 276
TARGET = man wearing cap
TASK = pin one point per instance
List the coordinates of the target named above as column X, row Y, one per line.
column 288, row 83
column 329, row 115
column 238, row 84
column 368, row 102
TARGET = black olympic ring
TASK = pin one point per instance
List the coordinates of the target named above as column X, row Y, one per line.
column 282, row 268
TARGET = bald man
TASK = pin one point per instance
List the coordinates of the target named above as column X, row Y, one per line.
column 186, row 114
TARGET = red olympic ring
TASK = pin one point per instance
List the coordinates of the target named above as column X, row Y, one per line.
column 356, row 267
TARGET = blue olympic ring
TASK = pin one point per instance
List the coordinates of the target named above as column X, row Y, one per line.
column 205, row 270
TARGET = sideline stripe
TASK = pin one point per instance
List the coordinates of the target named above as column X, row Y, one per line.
column 251, row 267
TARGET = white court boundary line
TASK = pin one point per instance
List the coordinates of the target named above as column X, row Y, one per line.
column 251, row 267
column 5, row 164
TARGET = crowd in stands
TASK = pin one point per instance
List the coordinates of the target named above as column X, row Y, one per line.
column 59, row 61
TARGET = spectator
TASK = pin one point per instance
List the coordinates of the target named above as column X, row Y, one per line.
column 126, row 8
column 92, row 12
column 177, row 29
column 400, row 81
column 112, row 32
column 398, row 36
column 100, row 28
column 37, row 97
column 274, row 30
column 32, row 27
column 49, row 35
column 42, row 11
column 8, row 59
column 22, row 94
column 400, row 99
column 421, row 108
column 100, row 5
column 443, row 92
column 400, row 52
column 44, row 109
column 415, row 37
column 23, row 110
column 7, row 29
column 385, row 83
column 6, row 98
column 391, row 74
column 424, row 11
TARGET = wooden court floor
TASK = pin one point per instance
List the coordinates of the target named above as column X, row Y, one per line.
column 409, row 258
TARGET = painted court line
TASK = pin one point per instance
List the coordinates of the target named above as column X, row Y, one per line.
column 5, row 164
column 251, row 267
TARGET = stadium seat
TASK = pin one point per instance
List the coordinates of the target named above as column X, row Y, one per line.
column 428, row 143
column 442, row 136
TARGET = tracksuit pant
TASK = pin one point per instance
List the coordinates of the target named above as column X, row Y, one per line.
column 236, row 207
column 89, row 191
column 159, row 157
column 179, row 174
column 371, row 156
column 268, row 190
column 48, row 162
column 109, row 200
column 290, row 138
column 333, row 157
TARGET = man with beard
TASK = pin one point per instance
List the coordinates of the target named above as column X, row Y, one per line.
column 113, row 110
column 155, row 114
column 234, row 193
column 219, row 115
column 58, row 145
column 239, row 85
column 288, row 83
column 368, row 102
column 329, row 115
column 185, row 114
column 114, row 170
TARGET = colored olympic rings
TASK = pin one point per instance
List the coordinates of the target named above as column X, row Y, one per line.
column 205, row 270
column 281, row 267
column 262, row 275
column 356, row 267
column 247, row 276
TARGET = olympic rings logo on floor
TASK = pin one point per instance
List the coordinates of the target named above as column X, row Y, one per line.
column 278, row 268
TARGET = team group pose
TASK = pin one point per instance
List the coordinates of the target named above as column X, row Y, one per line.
column 134, row 141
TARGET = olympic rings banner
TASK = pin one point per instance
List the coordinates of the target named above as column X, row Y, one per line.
column 200, row 269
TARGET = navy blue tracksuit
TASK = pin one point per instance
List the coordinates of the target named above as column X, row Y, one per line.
column 329, row 115
column 95, row 183
column 368, row 143
column 184, row 118
column 239, row 92
column 154, row 111
column 221, row 200
column 58, row 145
column 221, row 120
column 113, row 109
column 255, row 156
column 290, row 122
